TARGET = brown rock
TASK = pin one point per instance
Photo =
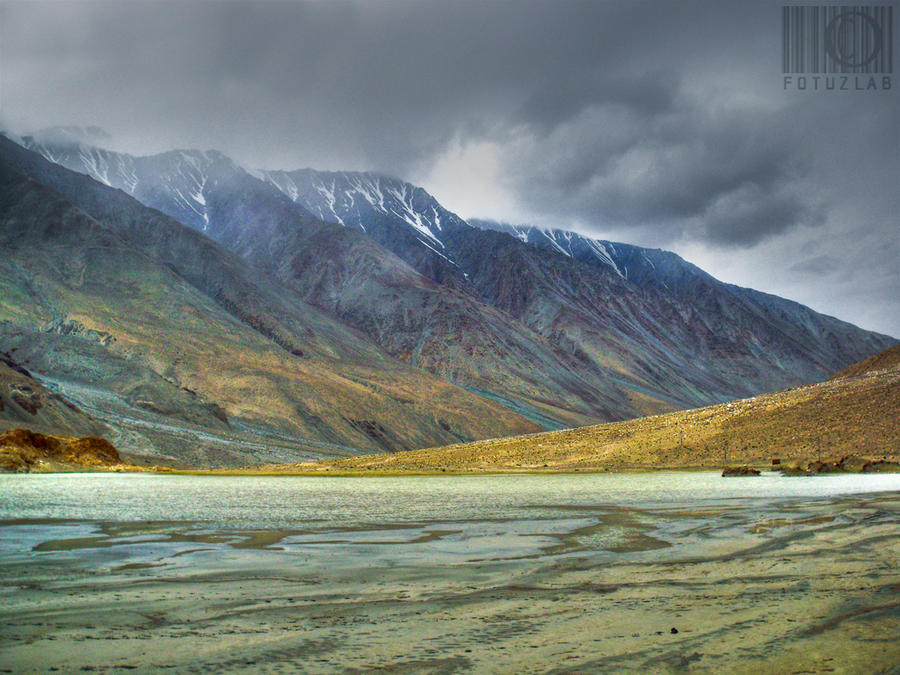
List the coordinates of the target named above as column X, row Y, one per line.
column 740, row 471
column 22, row 449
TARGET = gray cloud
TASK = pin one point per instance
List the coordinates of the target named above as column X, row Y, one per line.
column 379, row 84
column 654, row 122
column 820, row 264
column 561, row 98
column 727, row 177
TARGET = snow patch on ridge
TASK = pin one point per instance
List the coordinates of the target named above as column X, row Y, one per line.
column 603, row 253
column 95, row 163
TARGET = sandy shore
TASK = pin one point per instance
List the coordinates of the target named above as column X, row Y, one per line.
column 797, row 586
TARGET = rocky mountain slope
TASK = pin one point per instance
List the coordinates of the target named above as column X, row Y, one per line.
column 681, row 330
column 187, row 351
column 344, row 272
column 660, row 327
column 25, row 402
column 561, row 328
column 401, row 217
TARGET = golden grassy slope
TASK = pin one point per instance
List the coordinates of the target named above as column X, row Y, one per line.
column 855, row 415
column 889, row 358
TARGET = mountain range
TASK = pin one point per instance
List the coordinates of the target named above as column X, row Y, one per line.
column 491, row 328
column 186, row 351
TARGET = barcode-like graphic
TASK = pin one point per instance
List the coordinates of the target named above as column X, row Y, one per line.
column 837, row 39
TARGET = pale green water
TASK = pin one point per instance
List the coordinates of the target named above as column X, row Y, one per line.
column 277, row 502
column 183, row 520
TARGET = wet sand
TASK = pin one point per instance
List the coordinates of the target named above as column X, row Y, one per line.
column 789, row 586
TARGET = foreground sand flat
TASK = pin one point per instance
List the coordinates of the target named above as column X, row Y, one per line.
column 798, row 585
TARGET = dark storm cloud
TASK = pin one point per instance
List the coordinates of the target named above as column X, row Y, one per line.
column 375, row 83
column 380, row 83
column 727, row 177
column 656, row 122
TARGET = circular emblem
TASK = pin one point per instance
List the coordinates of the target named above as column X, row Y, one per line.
column 842, row 38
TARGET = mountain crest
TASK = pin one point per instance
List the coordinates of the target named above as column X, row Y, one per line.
column 352, row 198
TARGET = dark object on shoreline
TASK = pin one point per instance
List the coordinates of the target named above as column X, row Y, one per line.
column 739, row 471
column 846, row 464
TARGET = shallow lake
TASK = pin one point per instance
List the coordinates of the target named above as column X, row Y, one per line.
column 275, row 502
column 129, row 518
column 492, row 573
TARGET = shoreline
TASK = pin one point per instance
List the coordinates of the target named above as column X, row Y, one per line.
column 785, row 470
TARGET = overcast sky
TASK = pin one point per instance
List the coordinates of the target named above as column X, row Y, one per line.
column 658, row 123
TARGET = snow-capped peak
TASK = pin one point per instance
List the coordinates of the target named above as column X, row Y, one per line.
column 364, row 199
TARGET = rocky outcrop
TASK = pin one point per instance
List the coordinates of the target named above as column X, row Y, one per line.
column 846, row 464
column 23, row 451
column 76, row 328
column 739, row 471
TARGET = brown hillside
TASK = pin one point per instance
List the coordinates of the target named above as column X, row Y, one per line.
column 889, row 358
column 847, row 416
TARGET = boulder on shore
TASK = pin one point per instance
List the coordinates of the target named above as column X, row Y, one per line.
column 846, row 464
column 740, row 471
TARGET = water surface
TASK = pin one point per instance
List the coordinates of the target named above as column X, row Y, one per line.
column 444, row 574
column 273, row 502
